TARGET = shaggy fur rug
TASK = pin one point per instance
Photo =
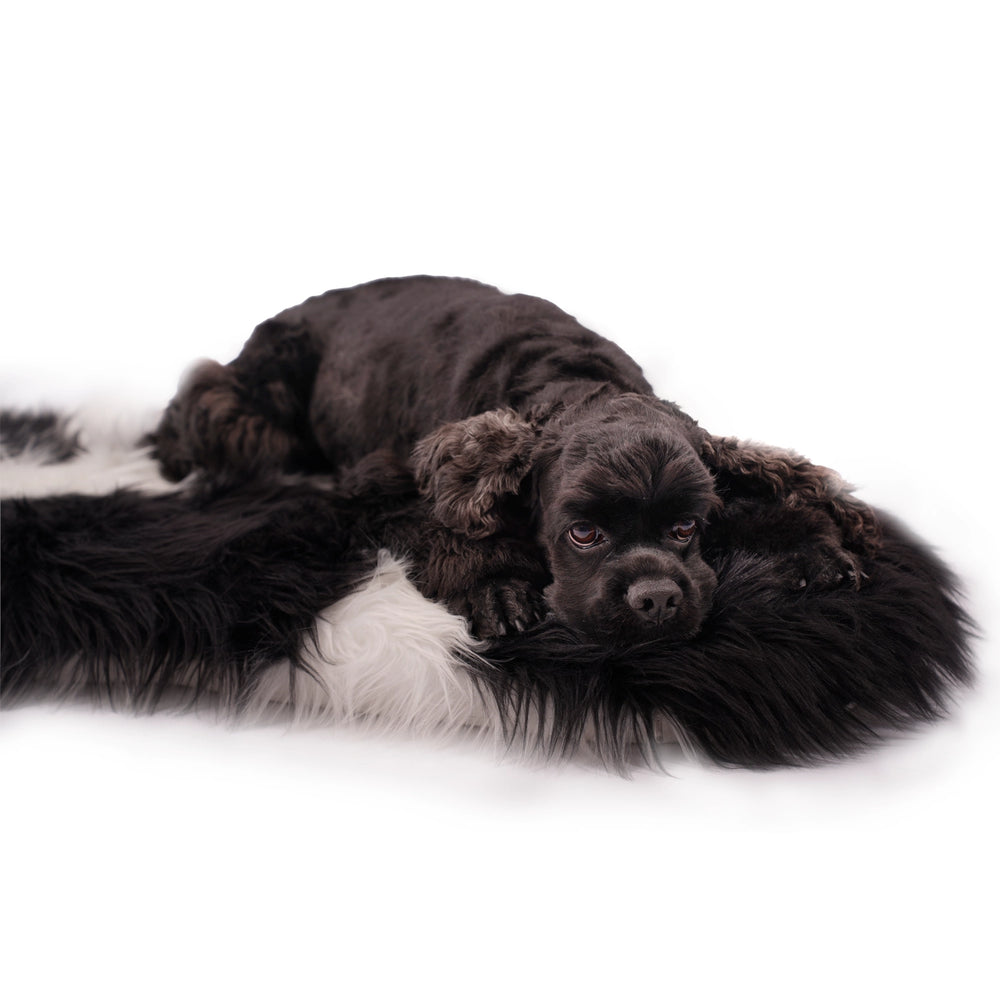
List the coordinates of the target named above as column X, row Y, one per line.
column 296, row 599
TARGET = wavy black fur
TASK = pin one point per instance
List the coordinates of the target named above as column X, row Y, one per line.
column 773, row 679
column 144, row 595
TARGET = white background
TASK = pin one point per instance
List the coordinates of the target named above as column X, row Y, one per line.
column 788, row 212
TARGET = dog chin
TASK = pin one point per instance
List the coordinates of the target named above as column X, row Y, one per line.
column 632, row 634
column 614, row 628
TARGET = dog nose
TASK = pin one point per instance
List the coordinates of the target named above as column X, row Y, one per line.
column 654, row 601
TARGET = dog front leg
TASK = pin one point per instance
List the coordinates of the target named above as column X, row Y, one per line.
column 495, row 583
column 828, row 531
column 480, row 558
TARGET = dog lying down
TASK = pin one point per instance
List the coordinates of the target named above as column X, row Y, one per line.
column 629, row 576
column 559, row 483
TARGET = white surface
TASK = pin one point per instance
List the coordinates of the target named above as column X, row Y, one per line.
column 788, row 212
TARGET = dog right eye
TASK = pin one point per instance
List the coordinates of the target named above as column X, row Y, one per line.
column 584, row 535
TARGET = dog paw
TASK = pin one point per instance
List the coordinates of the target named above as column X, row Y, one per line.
column 823, row 568
column 500, row 607
column 859, row 524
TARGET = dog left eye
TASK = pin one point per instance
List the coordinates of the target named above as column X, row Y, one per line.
column 585, row 536
column 683, row 531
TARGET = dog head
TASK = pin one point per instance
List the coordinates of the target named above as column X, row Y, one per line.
column 613, row 491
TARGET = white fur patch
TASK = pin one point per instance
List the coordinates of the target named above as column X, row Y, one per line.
column 384, row 654
column 110, row 459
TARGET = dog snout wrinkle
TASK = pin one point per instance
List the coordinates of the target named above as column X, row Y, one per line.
column 654, row 601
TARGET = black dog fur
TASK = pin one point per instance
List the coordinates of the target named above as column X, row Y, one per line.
column 550, row 467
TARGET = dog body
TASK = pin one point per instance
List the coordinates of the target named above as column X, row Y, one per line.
column 548, row 463
column 379, row 366
column 399, row 358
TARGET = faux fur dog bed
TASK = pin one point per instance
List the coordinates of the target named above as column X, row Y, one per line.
column 297, row 598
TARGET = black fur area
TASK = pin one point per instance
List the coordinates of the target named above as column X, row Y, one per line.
column 772, row 679
column 145, row 595
column 44, row 433
column 131, row 596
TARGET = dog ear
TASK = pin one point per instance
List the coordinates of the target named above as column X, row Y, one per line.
column 747, row 469
column 467, row 468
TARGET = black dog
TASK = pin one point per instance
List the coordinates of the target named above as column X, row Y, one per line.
column 549, row 464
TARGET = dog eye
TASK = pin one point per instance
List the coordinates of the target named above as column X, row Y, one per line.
column 683, row 531
column 585, row 536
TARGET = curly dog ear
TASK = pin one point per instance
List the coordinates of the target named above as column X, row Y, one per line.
column 468, row 468
column 746, row 469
